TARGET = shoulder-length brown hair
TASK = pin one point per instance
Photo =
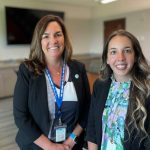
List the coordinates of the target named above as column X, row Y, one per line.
column 36, row 59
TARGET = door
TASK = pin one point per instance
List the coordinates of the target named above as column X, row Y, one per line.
column 112, row 25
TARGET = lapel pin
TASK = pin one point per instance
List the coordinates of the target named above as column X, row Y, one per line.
column 76, row 76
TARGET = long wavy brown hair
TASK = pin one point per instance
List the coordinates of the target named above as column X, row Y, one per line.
column 36, row 61
column 137, row 113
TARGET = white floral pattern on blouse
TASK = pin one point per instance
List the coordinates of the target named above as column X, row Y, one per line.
column 114, row 115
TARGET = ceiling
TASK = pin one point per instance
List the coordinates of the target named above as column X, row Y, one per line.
column 86, row 3
column 93, row 3
column 124, row 5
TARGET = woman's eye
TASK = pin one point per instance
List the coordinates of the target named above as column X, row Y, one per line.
column 129, row 50
column 44, row 36
column 112, row 52
column 58, row 34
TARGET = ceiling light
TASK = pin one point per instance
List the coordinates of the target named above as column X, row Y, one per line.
column 105, row 1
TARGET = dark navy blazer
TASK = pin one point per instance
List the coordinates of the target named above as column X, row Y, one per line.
column 30, row 103
column 94, row 129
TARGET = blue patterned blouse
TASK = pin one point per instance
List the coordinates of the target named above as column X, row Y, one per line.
column 114, row 115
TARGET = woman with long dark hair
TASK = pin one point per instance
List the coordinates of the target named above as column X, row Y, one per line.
column 119, row 116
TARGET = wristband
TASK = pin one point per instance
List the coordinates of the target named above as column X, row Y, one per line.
column 73, row 137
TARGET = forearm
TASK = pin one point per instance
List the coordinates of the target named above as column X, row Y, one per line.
column 92, row 146
column 43, row 142
column 77, row 130
column 46, row 144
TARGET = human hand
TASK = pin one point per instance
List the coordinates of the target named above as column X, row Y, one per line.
column 69, row 142
column 55, row 146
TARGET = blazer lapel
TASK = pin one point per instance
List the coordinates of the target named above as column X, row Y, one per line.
column 101, row 98
column 42, row 100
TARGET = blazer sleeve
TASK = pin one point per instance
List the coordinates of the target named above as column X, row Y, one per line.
column 91, row 127
column 28, row 131
column 86, row 99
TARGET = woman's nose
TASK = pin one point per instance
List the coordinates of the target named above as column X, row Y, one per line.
column 52, row 39
column 121, row 56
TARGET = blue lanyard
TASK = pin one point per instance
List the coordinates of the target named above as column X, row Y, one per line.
column 59, row 98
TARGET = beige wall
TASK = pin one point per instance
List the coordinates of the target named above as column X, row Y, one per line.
column 85, row 26
column 137, row 22
column 79, row 27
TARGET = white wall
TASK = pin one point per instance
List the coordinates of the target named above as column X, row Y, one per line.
column 138, row 23
column 78, row 26
column 85, row 26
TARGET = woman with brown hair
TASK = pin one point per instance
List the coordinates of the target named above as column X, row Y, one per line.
column 119, row 117
column 52, row 95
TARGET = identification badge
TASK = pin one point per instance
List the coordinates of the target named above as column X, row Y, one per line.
column 60, row 132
